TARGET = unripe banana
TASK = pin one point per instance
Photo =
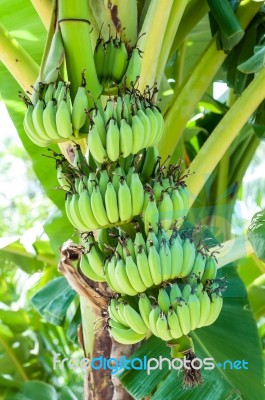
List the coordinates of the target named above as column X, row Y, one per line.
column 120, row 62
column 134, row 68
column 174, row 325
column 153, row 317
column 215, row 309
column 147, row 127
column 112, row 310
column 210, row 270
column 117, row 175
column 163, row 300
column 113, row 140
column 178, row 205
column 49, row 121
column 145, row 307
column 126, row 138
column 155, row 265
column 175, row 293
column 75, row 213
column 126, row 336
column 189, row 253
column 98, row 207
column 151, row 216
column 184, row 317
column 165, row 209
column 103, row 181
column 161, row 124
column 143, row 267
column 88, row 271
column 96, row 259
column 109, row 270
column 205, row 306
column 137, row 193
column 194, row 309
column 158, row 189
column 80, row 104
column 30, row 128
column 100, row 125
column 165, row 260
column 176, row 250
column 63, row 120
column 37, row 119
column 150, row 162
column 61, row 177
column 49, row 93
column 185, row 197
column 199, row 265
column 95, row 145
column 111, row 203
column 162, row 327
column 99, row 57
column 109, row 110
column 124, row 201
column 86, row 211
column 134, row 319
column 122, row 278
column 137, row 134
column 139, row 242
column 186, row 292
column 152, row 240
column 129, row 248
column 153, row 126
column 133, row 275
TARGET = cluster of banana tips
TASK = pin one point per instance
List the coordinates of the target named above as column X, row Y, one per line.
column 116, row 65
column 130, row 122
column 169, row 313
column 52, row 117
column 107, row 196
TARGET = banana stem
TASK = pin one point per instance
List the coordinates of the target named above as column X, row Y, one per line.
column 176, row 14
column 75, row 28
column 15, row 58
column 223, row 135
column 197, row 83
column 44, row 9
column 233, row 250
column 153, row 31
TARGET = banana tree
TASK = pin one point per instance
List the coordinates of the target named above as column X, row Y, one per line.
column 169, row 54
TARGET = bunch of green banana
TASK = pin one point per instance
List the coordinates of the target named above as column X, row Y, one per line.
column 115, row 65
column 103, row 199
column 129, row 123
column 54, row 118
column 175, row 311
column 139, row 264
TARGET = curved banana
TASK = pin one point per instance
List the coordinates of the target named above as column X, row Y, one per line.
column 137, row 134
column 88, row 271
column 113, row 140
column 165, row 209
column 210, row 270
column 194, row 309
column 95, row 145
column 184, row 317
column 137, row 193
column 134, row 319
column 85, row 209
column 162, row 327
column 176, row 250
column 163, row 300
column 165, row 260
column 153, row 317
column 63, row 120
column 111, row 204
column 49, row 121
column 80, row 104
column 98, row 208
column 124, row 201
column 151, row 216
column 215, row 309
column 126, row 138
column 189, row 253
column 126, row 336
column 145, row 307
column 155, row 265
column 205, row 306
column 143, row 267
column 134, row 275
column 122, row 278
column 174, row 324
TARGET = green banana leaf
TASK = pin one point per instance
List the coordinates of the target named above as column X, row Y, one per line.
column 233, row 336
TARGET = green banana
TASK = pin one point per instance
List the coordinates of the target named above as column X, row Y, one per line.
column 137, row 134
column 210, row 270
column 99, row 57
column 163, row 300
column 134, row 320
column 151, row 216
column 30, row 128
column 162, row 327
column 80, row 105
column 126, row 138
column 49, row 121
column 174, row 325
column 37, row 119
column 143, row 267
column 111, row 204
column 155, row 265
column 165, row 260
column 109, row 270
column 150, row 162
column 139, row 242
column 120, row 62
column 189, row 253
column 124, row 201
column 88, row 271
column 147, row 126
column 100, row 125
column 176, row 250
column 175, row 293
column 137, row 193
column 75, row 213
column 96, row 259
column 134, row 275
column 122, row 278
column 199, row 265
column 184, row 317
column 215, row 309
column 85, row 209
column 153, row 317
column 98, row 208
column 178, row 205
column 95, row 145
column 186, row 292
column 63, row 120
column 165, row 209
column 113, row 140
column 205, row 307
column 133, row 69
column 194, row 309
column 145, row 307
column 126, row 336
column 153, row 126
